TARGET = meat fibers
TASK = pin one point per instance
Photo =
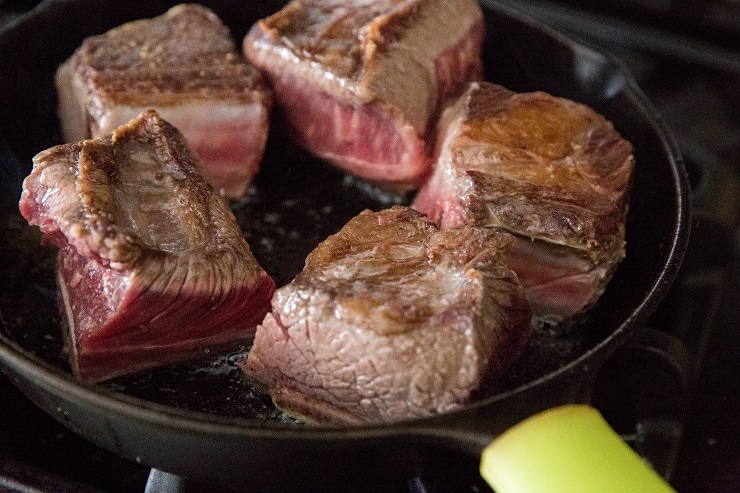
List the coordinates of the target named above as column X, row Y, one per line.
column 185, row 65
column 152, row 266
column 392, row 319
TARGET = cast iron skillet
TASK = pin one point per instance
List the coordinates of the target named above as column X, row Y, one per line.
column 203, row 420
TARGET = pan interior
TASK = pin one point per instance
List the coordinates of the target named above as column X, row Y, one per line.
column 297, row 201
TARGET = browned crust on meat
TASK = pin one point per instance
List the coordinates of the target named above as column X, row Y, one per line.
column 340, row 37
column 186, row 53
column 383, row 297
column 377, row 52
column 98, row 219
column 544, row 167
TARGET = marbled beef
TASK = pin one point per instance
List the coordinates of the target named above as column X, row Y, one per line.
column 392, row 319
column 360, row 83
column 549, row 170
column 152, row 266
column 185, row 65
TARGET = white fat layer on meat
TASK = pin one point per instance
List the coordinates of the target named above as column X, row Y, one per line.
column 194, row 119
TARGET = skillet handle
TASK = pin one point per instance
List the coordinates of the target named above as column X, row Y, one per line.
column 651, row 353
column 644, row 391
column 573, row 446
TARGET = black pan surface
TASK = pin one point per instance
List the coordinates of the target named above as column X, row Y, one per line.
column 208, row 406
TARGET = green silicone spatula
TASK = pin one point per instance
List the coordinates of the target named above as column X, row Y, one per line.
column 567, row 449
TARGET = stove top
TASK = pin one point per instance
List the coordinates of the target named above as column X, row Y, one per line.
column 679, row 395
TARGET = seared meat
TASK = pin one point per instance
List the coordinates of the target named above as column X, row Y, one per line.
column 152, row 266
column 185, row 65
column 549, row 170
column 360, row 83
column 392, row 319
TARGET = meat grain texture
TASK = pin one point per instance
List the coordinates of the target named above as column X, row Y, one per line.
column 551, row 171
column 392, row 319
column 152, row 266
column 185, row 65
column 361, row 83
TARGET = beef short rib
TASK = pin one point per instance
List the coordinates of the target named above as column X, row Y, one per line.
column 360, row 83
column 549, row 170
column 185, row 65
column 152, row 266
column 392, row 319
